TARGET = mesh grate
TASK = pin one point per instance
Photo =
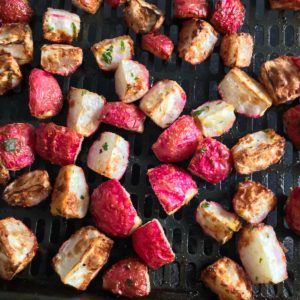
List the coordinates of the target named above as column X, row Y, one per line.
column 275, row 33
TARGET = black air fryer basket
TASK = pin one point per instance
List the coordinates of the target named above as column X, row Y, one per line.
column 275, row 33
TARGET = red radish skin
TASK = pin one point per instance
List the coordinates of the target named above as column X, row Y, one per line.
column 190, row 9
column 58, row 144
column 173, row 186
column 291, row 121
column 228, row 16
column 158, row 44
column 112, row 209
column 17, row 145
column 212, row 161
column 15, row 11
column 178, row 142
column 292, row 210
column 128, row 277
column 45, row 96
column 123, row 115
column 115, row 3
column 150, row 243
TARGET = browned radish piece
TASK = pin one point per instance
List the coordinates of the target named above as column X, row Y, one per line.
column 115, row 3
column 150, row 243
column 128, row 277
column 214, row 118
column 18, row 246
column 216, row 221
column 257, row 151
column 16, row 39
column 253, row 201
column 90, row 6
column 281, row 78
column 131, row 81
column 142, row 17
column 178, row 142
column 285, row 4
column 45, row 96
column 184, row 9
column 292, row 210
column 109, row 155
column 85, row 110
column 29, row 189
column 58, row 144
column 61, row 59
column 113, row 211
column 248, row 96
column 123, row 115
column 237, row 49
column 81, row 257
column 228, row 15
column 110, row 52
column 60, row 26
column 164, row 102
column 70, row 197
column 10, row 73
column 197, row 40
column 15, row 11
column 158, row 44
column 212, row 161
column 291, row 121
column 17, row 145
column 228, row 280
column 173, row 187
column 262, row 255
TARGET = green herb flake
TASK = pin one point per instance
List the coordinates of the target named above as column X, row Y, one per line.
column 10, row 76
column 10, row 145
column 105, row 146
column 203, row 150
column 74, row 28
column 83, row 92
column 122, row 46
column 260, row 260
column 256, row 278
column 197, row 113
column 82, row 197
column 129, row 282
column 107, row 55
column 247, row 178
column 50, row 28
column 205, row 205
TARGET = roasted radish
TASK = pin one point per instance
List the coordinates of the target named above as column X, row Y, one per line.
column 85, row 110
column 184, row 9
column 115, row 3
column 58, row 144
column 113, row 211
column 173, row 187
column 216, row 221
column 257, row 151
column 109, row 155
column 164, row 102
column 90, row 6
column 15, row 11
column 292, row 210
column 131, row 81
column 70, row 197
column 248, row 96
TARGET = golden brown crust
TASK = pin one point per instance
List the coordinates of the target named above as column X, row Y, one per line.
column 285, row 4
column 90, row 6
column 259, row 157
column 281, row 77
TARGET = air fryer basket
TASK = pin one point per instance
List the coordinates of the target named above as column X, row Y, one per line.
column 275, row 33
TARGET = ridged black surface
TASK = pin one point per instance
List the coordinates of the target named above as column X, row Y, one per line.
column 275, row 33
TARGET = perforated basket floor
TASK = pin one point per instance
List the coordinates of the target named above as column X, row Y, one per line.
column 275, row 33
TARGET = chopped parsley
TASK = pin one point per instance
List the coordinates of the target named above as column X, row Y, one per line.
column 74, row 29
column 83, row 93
column 50, row 28
column 247, row 178
column 200, row 111
column 205, row 205
column 203, row 150
column 260, row 260
column 107, row 55
column 134, row 76
column 105, row 146
column 82, row 197
column 10, row 145
column 122, row 46
column 129, row 282
column 10, row 76
column 256, row 278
